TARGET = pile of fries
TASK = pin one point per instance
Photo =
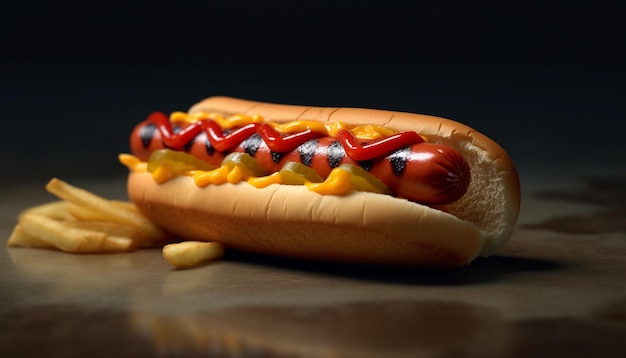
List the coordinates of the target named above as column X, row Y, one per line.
column 84, row 223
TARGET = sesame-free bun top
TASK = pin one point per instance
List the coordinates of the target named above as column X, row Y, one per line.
column 360, row 227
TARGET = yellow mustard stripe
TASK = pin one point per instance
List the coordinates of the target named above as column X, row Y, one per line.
column 237, row 120
column 365, row 132
column 217, row 176
column 339, row 182
column 133, row 163
column 162, row 174
column 262, row 182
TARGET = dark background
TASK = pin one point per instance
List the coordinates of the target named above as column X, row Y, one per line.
column 546, row 81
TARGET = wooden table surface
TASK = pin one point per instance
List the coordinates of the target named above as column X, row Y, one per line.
column 557, row 288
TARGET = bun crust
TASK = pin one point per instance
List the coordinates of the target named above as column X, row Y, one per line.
column 360, row 227
column 293, row 221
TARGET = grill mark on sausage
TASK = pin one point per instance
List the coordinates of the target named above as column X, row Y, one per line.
column 366, row 164
column 307, row 151
column 398, row 160
column 189, row 144
column 276, row 156
column 208, row 147
column 335, row 154
column 146, row 133
column 251, row 144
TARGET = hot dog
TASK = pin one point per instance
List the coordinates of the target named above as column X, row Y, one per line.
column 417, row 190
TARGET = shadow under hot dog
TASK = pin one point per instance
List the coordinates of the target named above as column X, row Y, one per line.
column 482, row 270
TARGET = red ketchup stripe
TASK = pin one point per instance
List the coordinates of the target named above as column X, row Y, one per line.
column 223, row 143
column 174, row 140
column 283, row 144
column 275, row 141
column 359, row 152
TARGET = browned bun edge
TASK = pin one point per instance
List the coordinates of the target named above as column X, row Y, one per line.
column 492, row 201
column 291, row 221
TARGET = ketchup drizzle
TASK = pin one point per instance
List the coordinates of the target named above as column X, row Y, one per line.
column 171, row 139
column 283, row 144
column 221, row 142
column 377, row 148
column 276, row 142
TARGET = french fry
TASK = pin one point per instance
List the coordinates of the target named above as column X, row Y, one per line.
column 81, row 213
column 104, row 207
column 61, row 236
column 135, row 236
column 83, row 222
column 125, row 205
column 21, row 238
column 58, row 210
column 188, row 254
column 107, row 227
column 114, row 244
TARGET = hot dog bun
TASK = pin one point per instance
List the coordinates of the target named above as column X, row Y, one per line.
column 292, row 221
